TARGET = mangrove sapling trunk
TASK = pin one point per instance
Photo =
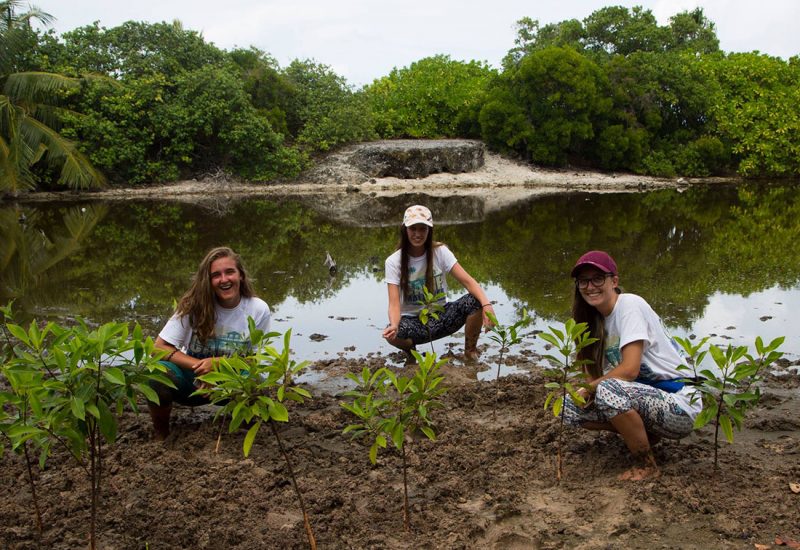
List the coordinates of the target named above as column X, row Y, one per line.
column 406, row 514
column 505, row 337
column 252, row 389
column 566, row 371
column 431, row 308
column 32, row 483
column 312, row 543
column 727, row 395
column 394, row 407
column 80, row 377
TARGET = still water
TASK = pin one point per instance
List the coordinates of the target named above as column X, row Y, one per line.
column 717, row 260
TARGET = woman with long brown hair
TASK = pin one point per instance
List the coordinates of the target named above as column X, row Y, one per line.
column 210, row 322
column 419, row 262
column 635, row 387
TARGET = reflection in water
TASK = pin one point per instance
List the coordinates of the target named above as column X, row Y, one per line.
column 707, row 259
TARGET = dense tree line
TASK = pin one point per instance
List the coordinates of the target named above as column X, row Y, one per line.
column 143, row 103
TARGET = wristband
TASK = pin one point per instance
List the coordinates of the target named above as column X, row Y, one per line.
column 485, row 305
column 169, row 355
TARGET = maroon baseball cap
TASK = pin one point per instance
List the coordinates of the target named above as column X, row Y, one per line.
column 597, row 258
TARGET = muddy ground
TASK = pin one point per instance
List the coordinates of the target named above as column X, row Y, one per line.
column 488, row 482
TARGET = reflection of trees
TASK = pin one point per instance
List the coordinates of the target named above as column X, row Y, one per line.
column 675, row 249
column 28, row 255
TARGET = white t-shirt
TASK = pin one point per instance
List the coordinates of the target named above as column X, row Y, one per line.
column 443, row 262
column 633, row 319
column 231, row 333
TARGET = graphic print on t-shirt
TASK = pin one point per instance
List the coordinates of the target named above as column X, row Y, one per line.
column 229, row 343
column 416, row 282
column 612, row 353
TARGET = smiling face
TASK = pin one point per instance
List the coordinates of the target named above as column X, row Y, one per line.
column 417, row 235
column 225, row 280
column 597, row 288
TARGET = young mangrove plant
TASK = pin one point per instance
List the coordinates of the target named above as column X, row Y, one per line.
column 505, row 337
column 566, row 373
column 87, row 379
column 395, row 407
column 431, row 308
column 252, row 390
column 26, row 391
column 730, row 391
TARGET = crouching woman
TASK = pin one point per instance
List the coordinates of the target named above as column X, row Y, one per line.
column 634, row 381
column 211, row 322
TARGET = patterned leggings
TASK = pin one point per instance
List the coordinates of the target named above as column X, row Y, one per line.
column 453, row 318
column 659, row 411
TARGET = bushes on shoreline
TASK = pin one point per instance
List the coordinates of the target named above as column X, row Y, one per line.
column 615, row 91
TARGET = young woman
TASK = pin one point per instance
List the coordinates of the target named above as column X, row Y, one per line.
column 420, row 262
column 210, row 322
column 634, row 377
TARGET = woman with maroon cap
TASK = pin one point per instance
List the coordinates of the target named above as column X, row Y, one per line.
column 634, row 381
column 419, row 262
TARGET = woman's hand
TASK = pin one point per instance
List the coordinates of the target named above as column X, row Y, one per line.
column 204, row 366
column 390, row 332
column 587, row 396
column 487, row 322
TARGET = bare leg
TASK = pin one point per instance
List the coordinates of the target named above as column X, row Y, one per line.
column 160, row 417
column 405, row 344
column 472, row 329
column 630, row 426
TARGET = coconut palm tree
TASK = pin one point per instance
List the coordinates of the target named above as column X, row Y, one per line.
column 30, row 114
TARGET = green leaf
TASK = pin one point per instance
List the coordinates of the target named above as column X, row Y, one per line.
column 250, row 438
column 373, row 453
column 77, row 407
column 558, row 404
column 149, row 393
column 428, row 432
column 278, row 412
column 115, row 376
column 727, row 429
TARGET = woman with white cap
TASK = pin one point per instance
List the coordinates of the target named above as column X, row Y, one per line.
column 420, row 262
column 635, row 386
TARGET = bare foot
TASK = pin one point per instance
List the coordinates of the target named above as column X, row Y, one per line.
column 640, row 474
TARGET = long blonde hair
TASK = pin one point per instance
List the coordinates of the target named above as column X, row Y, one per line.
column 199, row 301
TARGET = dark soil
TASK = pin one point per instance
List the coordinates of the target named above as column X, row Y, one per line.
column 486, row 483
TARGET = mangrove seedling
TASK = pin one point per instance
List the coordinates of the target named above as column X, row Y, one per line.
column 252, row 390
column 26, row 391
column 431, row 308
column 729, row 392
column 505, row 337
column 88, row 378
column 395, row 407
column 566, row 373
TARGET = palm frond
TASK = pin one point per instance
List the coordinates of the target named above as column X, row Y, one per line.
column 38, row 86
column 76, row 170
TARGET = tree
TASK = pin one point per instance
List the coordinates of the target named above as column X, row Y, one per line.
column 30, row 115
column 324, row 112
column 133, row 49
column 545, row 107
column 758, row 114
column 433, row 97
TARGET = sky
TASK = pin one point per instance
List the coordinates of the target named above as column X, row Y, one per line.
column 365, row 39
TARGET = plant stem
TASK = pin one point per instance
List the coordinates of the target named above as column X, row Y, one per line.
column 219, row 436
column 406, row 515
column 311, row 542
column 497, row 384
column 33, row 492
column 93, row 481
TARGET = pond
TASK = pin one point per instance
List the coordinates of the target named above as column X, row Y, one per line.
column 711, row 260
